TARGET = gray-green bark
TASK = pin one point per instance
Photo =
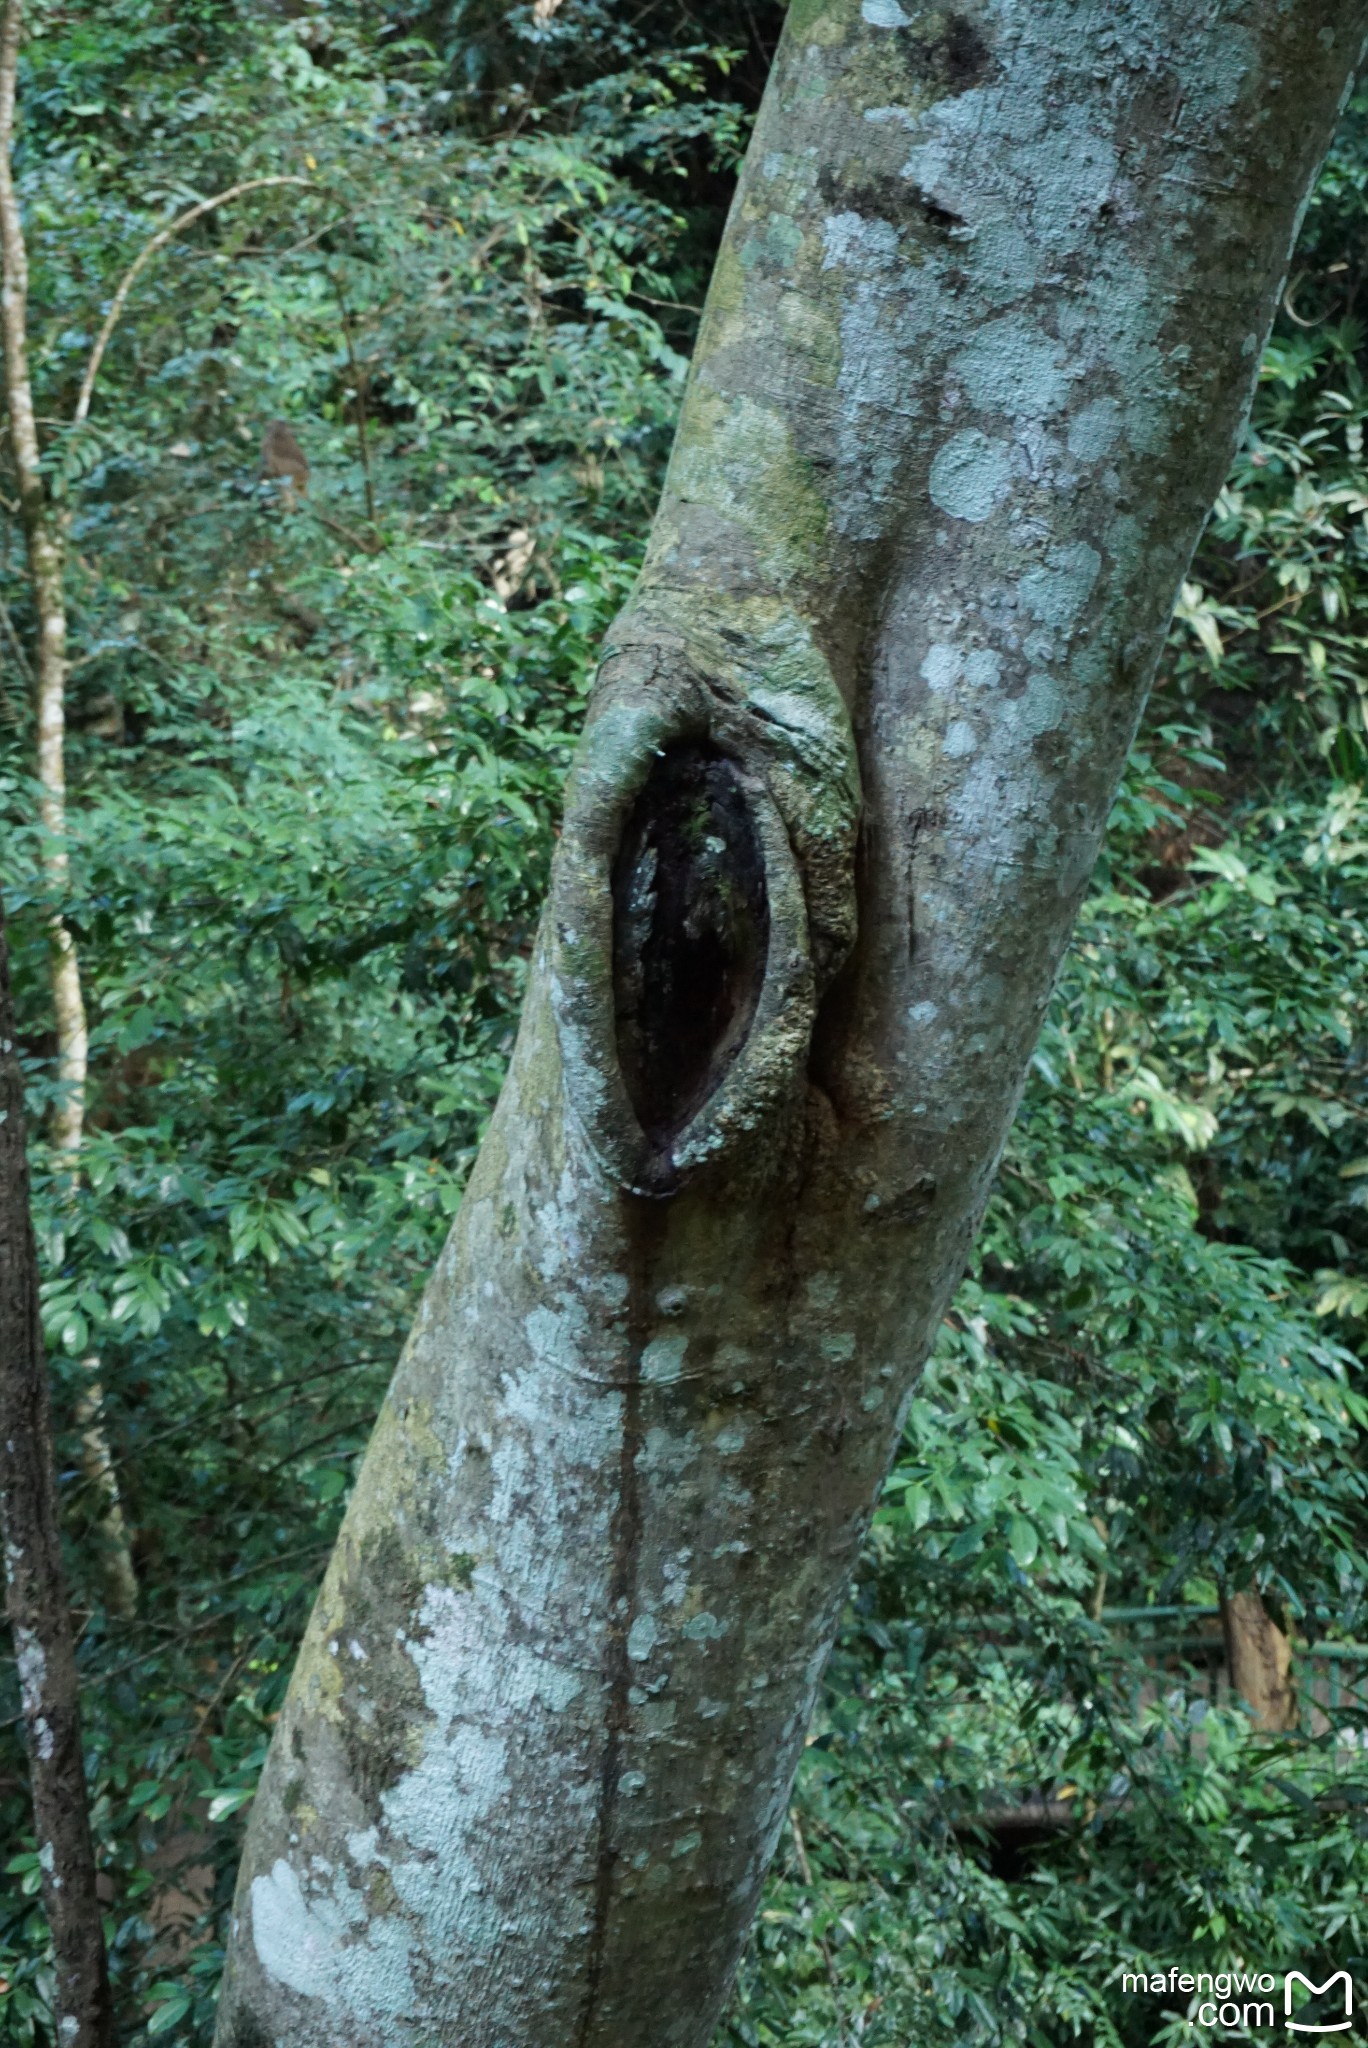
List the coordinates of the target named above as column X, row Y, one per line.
column 982, row 334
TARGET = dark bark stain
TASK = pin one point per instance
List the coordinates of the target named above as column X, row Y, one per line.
column 246, row 2031
column 962, row 54
column 920, row 820
column 937, row 216
column 951, row 59
column 909, row 1205
column 690, row 936
column 949, row 53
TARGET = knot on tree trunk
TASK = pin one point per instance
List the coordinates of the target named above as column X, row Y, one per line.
column 690, row 934
column 704, row 891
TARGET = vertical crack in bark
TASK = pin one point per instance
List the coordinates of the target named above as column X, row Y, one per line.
column 647, row 1227
column 690, row 935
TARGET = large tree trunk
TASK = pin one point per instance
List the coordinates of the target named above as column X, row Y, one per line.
column 982, row 334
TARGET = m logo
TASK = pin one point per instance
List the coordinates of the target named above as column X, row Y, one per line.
column 1318, row 1991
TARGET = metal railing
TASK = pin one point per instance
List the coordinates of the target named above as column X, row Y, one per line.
column 1331, row 1679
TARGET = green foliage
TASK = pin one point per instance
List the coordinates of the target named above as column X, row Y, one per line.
column 1196, row 1846
column 316, row 752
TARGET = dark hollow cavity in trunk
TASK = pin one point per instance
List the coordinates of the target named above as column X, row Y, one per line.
column 690, row 935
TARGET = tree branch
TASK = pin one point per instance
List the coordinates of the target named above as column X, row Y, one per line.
column 140, row 263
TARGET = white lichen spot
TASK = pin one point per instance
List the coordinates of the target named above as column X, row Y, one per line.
column 676, row 1584
column 614, row 1288
column 971, row 476
column 855, row 241
column 1057, row 591
column 685, row 1845
column 667, row 1454
column 942, row 667
column 1011, row 366
column 983, row 668
column 959, row 740
column 32, row 1664
column 642, row 1637
column 294, row 1941
column 704, row 1628
column 662, row 1361
column 1093, row 432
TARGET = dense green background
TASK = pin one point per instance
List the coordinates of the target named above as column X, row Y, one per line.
column 315, row 771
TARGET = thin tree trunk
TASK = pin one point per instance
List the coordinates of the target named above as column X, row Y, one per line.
column 1259, row 1658
column 35, row 1590
column 360, row 383
column 46, row 571
column 44, row 544
column 981, row 337
column 113, row 1549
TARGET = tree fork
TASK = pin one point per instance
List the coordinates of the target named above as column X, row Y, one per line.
column 981, row 336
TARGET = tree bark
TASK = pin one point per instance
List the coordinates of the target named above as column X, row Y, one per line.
column 43, row 541
column 35, row 1588
column 1259, row 1658
column 981, row 336
column 44, row 546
